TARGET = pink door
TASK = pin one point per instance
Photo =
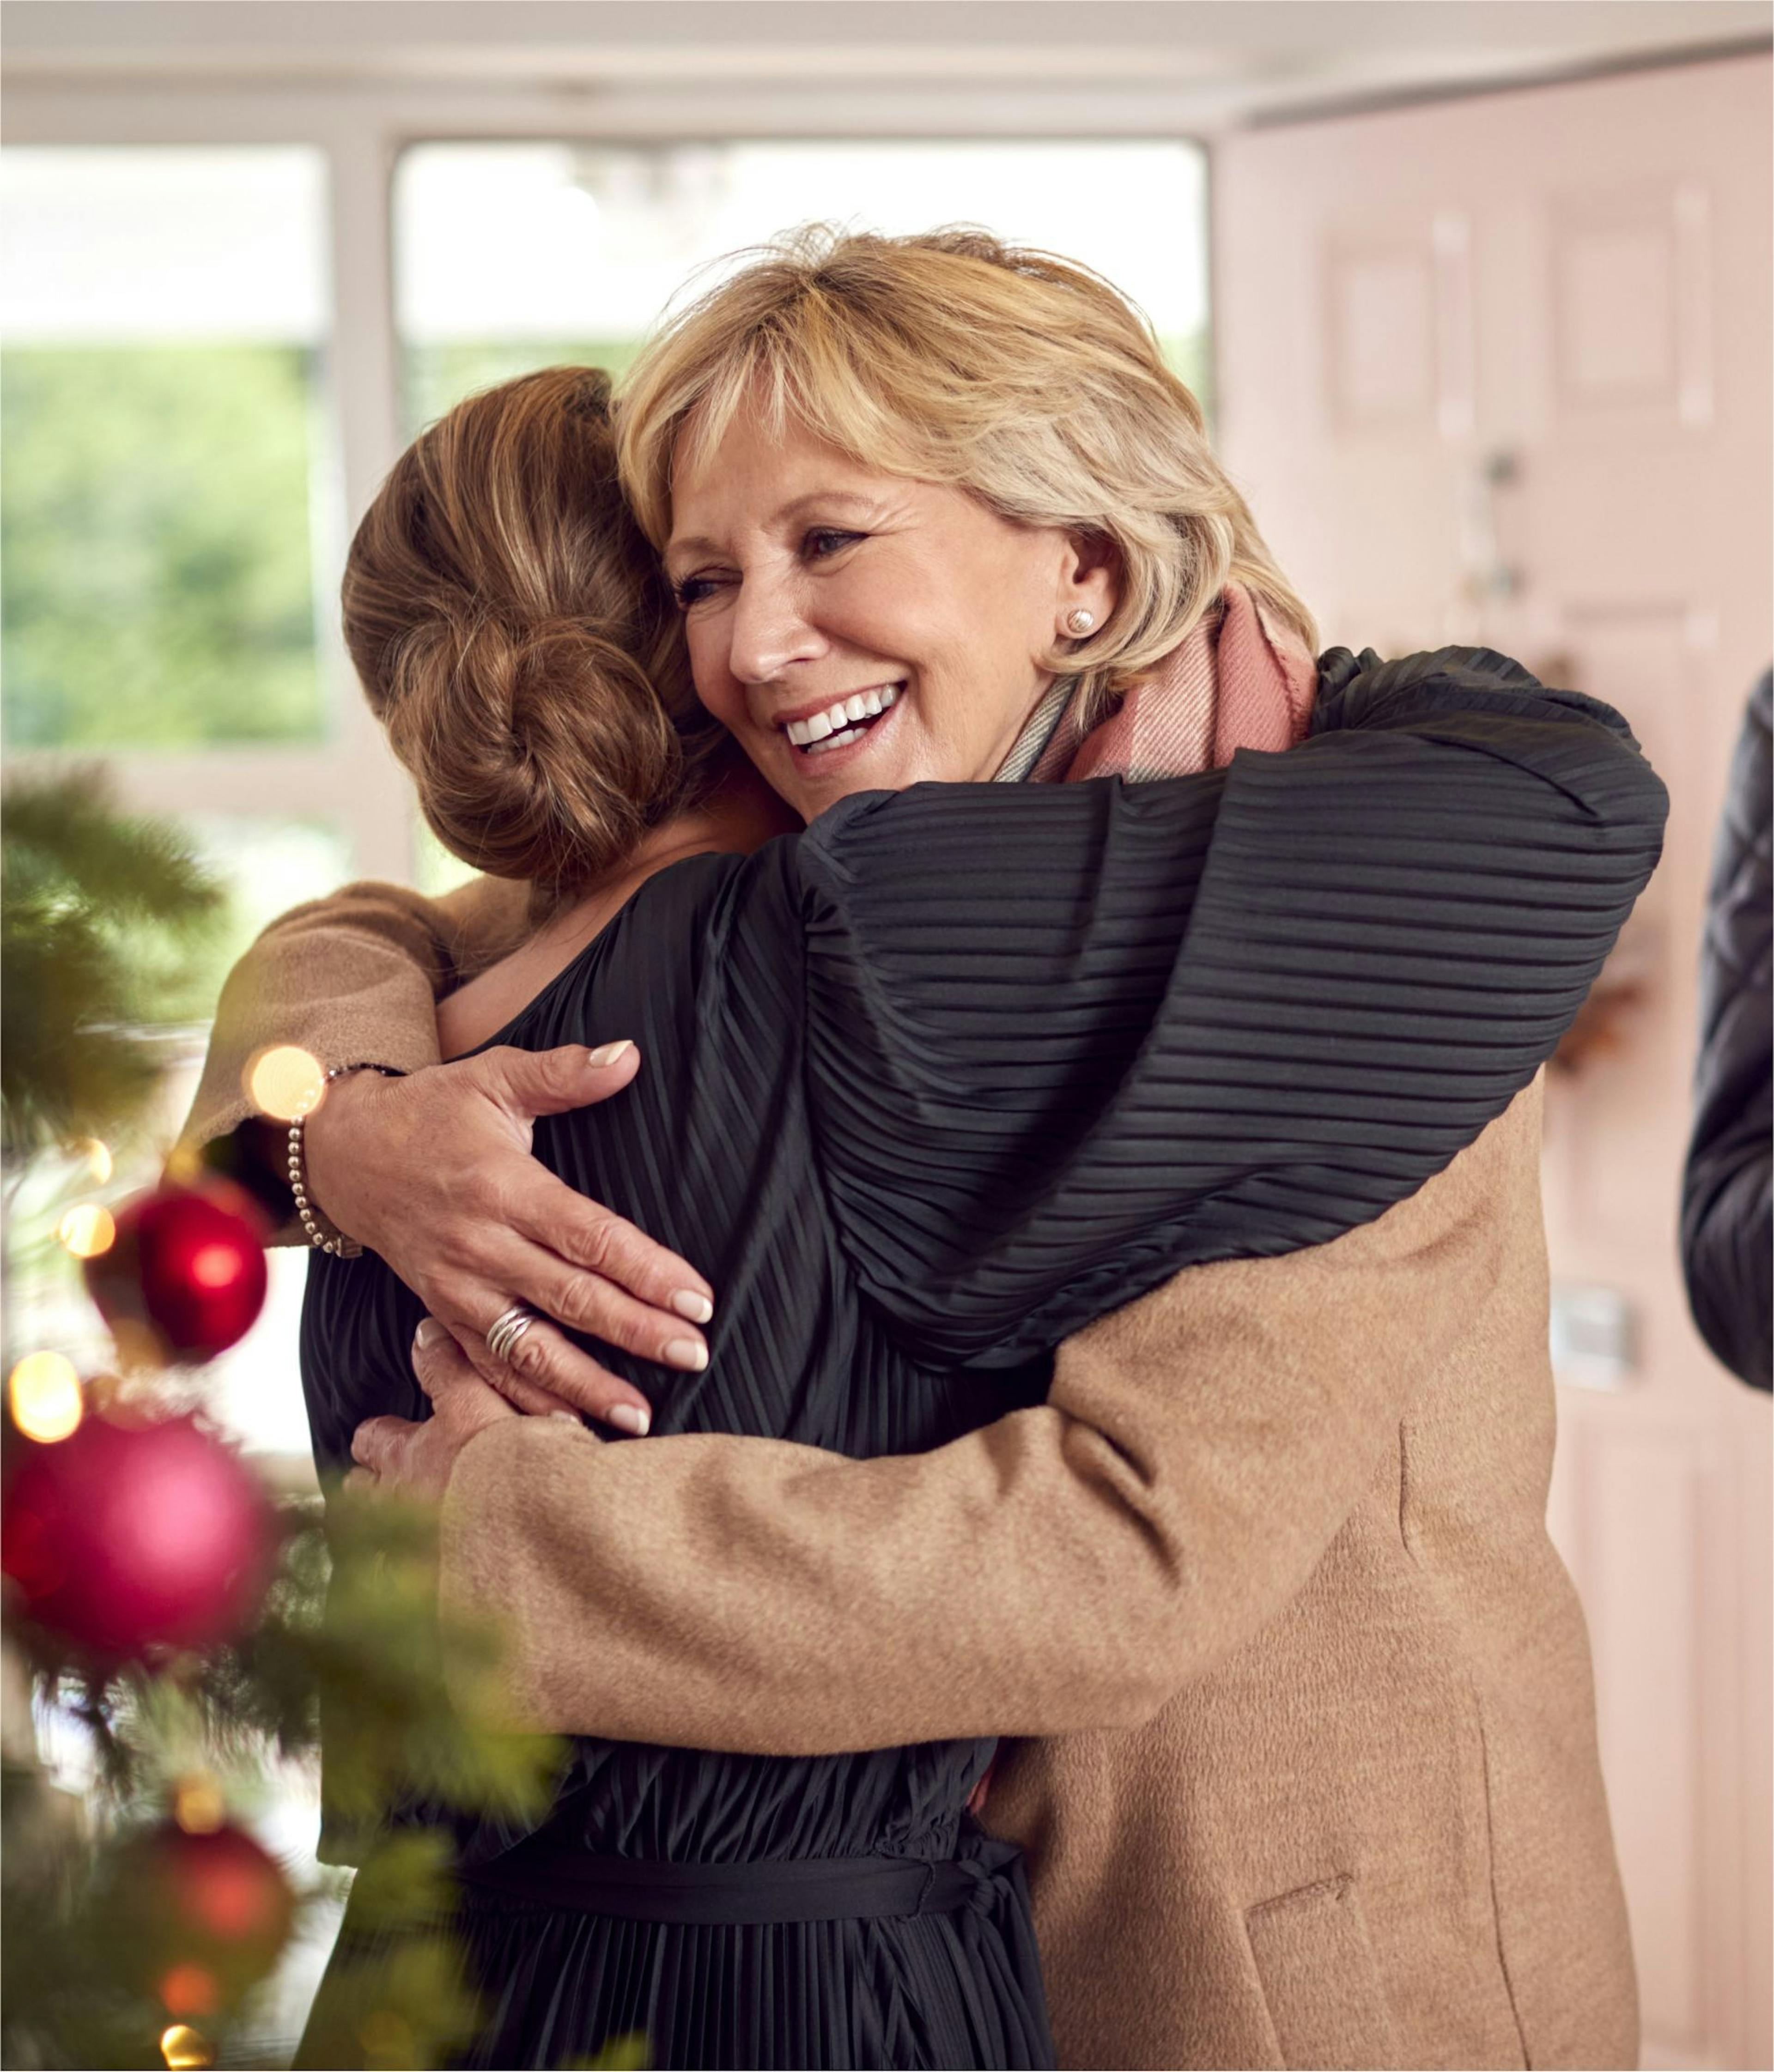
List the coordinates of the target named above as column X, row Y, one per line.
column 1498, row 370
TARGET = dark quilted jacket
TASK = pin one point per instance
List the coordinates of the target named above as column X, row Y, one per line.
column 1725, row 1235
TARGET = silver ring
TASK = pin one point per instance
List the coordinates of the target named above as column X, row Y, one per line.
column 507, row 1328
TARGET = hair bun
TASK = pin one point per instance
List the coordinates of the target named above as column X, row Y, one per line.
column 542, row 752
column 512, row 629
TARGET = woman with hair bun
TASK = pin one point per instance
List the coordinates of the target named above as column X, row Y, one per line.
column 929, row 1090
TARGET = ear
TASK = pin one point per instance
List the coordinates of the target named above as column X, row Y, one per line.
column 1090, row 580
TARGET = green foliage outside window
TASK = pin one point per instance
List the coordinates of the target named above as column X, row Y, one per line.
column 158, row 574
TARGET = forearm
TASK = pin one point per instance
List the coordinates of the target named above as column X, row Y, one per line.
column 1069, row 1567
column 742, row 1602
column 353, row 977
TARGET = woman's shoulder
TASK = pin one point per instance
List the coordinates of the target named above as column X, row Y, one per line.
column 1357, row 692
column 689, row 927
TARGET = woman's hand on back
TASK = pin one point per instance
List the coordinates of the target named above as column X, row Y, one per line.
column 398, row 1457
column 436, row 1173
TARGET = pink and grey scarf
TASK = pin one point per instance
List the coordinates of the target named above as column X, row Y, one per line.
column 1239, row 680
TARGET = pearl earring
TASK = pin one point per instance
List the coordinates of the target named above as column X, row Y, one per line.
column 1080, row 621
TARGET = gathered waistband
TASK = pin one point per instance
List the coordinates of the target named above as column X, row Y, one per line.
column 738, row 1895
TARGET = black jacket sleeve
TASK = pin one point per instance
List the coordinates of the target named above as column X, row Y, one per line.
column 1065, row 1040
column 1725, row 1227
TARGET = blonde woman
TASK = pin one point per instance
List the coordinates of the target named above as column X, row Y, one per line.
column 926, row 1091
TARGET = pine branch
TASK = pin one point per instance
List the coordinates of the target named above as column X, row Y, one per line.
column 84, row 892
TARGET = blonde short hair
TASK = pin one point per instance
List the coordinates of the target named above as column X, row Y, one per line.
column 954, row 358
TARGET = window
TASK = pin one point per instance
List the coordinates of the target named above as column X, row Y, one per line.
column 163, row 334
column 167, row 535
column 509, row 256
column 178, row 384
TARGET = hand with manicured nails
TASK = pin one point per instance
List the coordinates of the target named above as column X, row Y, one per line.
column 396, row 1457
column 434, row 1172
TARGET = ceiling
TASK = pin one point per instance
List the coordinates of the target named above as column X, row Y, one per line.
column 1224, row 61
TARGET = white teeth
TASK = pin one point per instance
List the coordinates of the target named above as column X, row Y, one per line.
column 836, row 741
column 864, row 705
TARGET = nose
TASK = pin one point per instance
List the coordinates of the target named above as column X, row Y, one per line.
column 770, row 628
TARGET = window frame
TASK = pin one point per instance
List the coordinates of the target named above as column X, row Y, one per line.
column 349, row 777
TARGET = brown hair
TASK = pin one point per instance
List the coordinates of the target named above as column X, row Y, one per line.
column 955, row 358
column 513, row 634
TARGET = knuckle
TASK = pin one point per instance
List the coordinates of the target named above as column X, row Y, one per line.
column 529, row 1356
column 581, row 1301
column 598, row 1245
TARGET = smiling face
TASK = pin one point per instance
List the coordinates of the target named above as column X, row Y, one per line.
column 857, row 631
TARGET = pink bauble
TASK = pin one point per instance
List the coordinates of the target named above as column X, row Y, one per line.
column 189, row 1265
column 198, row 1918
column 124, row 1539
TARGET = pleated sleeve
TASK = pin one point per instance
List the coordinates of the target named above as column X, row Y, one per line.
column 1062, row 1041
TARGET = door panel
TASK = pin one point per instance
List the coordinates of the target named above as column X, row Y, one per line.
column 1498, row 370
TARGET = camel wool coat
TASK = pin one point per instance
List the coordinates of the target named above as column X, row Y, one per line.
column 1314, row 1779
column 1308, row 1772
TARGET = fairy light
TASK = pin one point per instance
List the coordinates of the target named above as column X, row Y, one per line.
column 197, row 1806
column 43, row 1394
column 284, row 1082
column 186, row 2049
column 88, row 1229
column 96, row 1156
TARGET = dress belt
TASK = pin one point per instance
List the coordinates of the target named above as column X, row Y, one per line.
column 738, row 1895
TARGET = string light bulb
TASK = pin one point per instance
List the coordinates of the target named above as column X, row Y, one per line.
column 186, row 2049
column 197, row 1805
column 284, row 1081
column 44, row 1394
column 96, row 1156
column 87, row 1230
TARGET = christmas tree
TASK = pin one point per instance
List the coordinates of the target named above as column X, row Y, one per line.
column 158, row 1597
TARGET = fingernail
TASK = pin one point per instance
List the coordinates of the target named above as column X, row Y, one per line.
column 430, row 1331
column 607, row 1054
column 687, row 1353
column 688, row 1303
column 565, row 1417
column 626, row 1418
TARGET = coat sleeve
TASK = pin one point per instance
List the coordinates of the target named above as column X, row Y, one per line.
column 1069, row 1567
column 353, row 978
column 1727, row 1227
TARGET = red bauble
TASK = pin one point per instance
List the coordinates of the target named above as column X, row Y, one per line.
column 199, row 1918
column 126, row 1538
column 188, row 1264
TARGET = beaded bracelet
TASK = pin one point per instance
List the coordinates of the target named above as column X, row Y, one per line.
column 340, row 1246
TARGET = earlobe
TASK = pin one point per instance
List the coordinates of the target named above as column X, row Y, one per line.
column 1091, row 587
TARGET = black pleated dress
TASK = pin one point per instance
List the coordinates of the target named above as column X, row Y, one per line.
column 925, row 1090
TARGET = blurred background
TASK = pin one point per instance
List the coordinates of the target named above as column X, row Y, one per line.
column 1477, row 294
